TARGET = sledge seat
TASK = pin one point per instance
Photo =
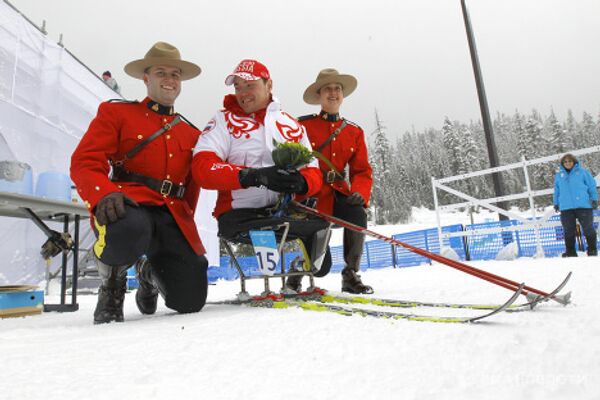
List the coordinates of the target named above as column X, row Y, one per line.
column 312, row 233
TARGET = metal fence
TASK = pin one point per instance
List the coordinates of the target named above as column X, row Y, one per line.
column 379, row 254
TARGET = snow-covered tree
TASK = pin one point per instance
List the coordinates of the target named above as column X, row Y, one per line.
column 570, row 131
column 452, row 145
column 403, row 172
column 556, row 134
column 387, row 194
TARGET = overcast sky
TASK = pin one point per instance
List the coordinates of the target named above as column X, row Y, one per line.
column 410, row 57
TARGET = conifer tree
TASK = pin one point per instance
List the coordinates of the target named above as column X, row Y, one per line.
column 556, row 134
column 451, row 144
column 380, row 159
column 570, row 131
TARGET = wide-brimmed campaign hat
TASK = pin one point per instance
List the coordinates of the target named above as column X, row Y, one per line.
column 325, row 77
column 162, row 53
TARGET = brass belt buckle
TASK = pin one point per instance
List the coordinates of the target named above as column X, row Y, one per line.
column 330, row 177
column 165, row 188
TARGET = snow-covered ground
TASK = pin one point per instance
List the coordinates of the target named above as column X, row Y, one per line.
column 233, row 352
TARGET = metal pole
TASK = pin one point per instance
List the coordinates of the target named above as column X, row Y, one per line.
column 63, row 276
column 75, row 272
column 437, row 212
column 485, row 113
column 539, row 253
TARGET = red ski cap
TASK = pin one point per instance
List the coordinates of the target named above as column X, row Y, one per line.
column 248, row 70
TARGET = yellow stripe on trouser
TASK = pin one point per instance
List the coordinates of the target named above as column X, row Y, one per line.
column 306, row 266
column 101, row 241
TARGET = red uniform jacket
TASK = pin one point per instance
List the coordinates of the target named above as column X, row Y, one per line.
column 347, row 148
column 117, row 128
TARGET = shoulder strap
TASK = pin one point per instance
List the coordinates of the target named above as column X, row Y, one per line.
column 317, row 152
column 187, row 121
column 122, row 101
column 306, row 117
column 352, row 123
column 333, row 135
column 131, row 153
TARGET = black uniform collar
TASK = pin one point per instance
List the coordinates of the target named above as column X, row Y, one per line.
column 330, row 117
column 159, row 108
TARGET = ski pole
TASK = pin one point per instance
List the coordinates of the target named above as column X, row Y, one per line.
column 488, row 276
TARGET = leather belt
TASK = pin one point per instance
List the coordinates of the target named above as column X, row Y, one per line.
column 332, row 176
column 164, row 187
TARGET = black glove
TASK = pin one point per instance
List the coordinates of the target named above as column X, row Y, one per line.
column 556, row 208
column 112, row 207
column 595, row 204
column 55, row 244
column 355, row 199
column 274, row 178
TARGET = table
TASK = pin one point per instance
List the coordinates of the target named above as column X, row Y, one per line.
column 18, row 205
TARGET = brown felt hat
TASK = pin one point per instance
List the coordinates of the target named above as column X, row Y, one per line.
column 162, row 53
column 325, row 77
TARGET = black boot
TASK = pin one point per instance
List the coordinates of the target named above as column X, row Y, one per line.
column 111, row 294
column 294, row 282
column 591, row 243
column 351, row 283
column 353, row 249
column 146, row 296
column 570, row 247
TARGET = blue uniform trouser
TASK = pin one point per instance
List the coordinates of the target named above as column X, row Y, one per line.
column 179, row 273
column 353, row 241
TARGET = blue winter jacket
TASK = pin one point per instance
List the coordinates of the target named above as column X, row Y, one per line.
column 574, row 189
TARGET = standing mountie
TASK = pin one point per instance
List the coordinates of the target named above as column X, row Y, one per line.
column 576, row 196
column 341, row 144
column 234, row 156
column 110, row 81
column 146, row 208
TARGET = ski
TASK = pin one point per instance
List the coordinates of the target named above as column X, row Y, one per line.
column 324, row 296
column 343, row 299
column 320, row 303
column 394, row 303
column 563, row 299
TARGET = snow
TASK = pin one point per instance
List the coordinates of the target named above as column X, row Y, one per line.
column 508, row 252
column 233, row 352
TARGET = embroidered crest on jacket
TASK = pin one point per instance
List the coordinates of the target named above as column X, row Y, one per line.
column 209, row 126
column 239, row 126
column 290, row 133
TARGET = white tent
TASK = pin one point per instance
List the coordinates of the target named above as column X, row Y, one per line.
column 47, row 100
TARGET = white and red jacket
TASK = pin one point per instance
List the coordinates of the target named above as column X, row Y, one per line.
column 233, row 140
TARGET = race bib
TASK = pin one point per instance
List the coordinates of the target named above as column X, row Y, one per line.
column 265, row 248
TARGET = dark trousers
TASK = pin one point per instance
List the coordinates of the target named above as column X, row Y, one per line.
column 353, row 241
column 179, row 273
column 586, row 220
column 235, row 224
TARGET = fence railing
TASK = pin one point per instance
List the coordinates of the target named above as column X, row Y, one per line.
column 508, row 230
column 474, row 246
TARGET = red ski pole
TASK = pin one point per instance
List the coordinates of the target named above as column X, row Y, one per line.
column 488, row 276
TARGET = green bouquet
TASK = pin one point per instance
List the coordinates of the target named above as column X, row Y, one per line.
column 290, row 155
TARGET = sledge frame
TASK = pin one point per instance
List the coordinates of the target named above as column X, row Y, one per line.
column 282, row 239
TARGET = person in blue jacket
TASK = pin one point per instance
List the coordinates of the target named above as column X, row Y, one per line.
column 575, row 196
